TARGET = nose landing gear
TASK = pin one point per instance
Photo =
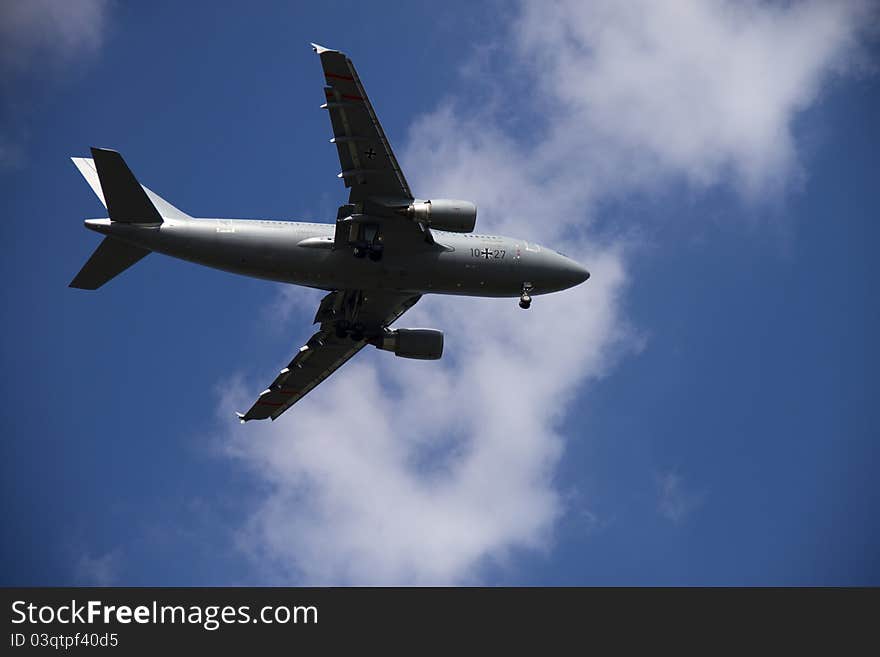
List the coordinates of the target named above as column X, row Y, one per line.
column 525, row 299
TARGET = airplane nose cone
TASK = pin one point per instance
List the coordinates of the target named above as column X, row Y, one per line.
column 581, row 274
column 553, row 271
column 573, row 273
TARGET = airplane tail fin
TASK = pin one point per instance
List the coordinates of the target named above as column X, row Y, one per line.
column 126, row 200
column 111, row 258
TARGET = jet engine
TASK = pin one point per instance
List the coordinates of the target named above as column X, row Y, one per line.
column 444, row 214
column 424, row 344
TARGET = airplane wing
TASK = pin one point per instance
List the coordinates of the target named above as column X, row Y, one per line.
column 364, row 312
column 369, row 167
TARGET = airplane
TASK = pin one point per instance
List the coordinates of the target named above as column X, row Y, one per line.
column 385, row 250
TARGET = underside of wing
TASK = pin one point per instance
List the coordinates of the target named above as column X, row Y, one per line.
column 369, row 166
column 348, row 319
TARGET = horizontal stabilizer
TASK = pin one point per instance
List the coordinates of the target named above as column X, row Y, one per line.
column 111, row 258
column 126, row 200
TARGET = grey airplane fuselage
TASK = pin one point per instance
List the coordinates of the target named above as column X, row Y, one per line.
column 302, row 253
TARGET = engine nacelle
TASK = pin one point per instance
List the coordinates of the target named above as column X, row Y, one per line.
column 424, row 344
column 445, row 214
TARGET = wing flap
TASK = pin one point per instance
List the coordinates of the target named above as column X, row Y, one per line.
column 302, row 374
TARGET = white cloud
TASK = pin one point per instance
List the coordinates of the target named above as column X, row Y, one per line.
column 675, row 502
column 102, row 570
column 409, row 472
column 32, row 30
column 705, row 89
column 38, row 37
column 398, row 471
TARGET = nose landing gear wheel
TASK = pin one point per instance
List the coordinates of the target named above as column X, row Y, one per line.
column 525, row 299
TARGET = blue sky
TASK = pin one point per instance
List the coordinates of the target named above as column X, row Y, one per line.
column 702, row 412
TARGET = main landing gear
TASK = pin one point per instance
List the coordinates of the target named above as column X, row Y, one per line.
column 354, row 331
column 373, row 252
column 525, row 300
column 368, row 243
